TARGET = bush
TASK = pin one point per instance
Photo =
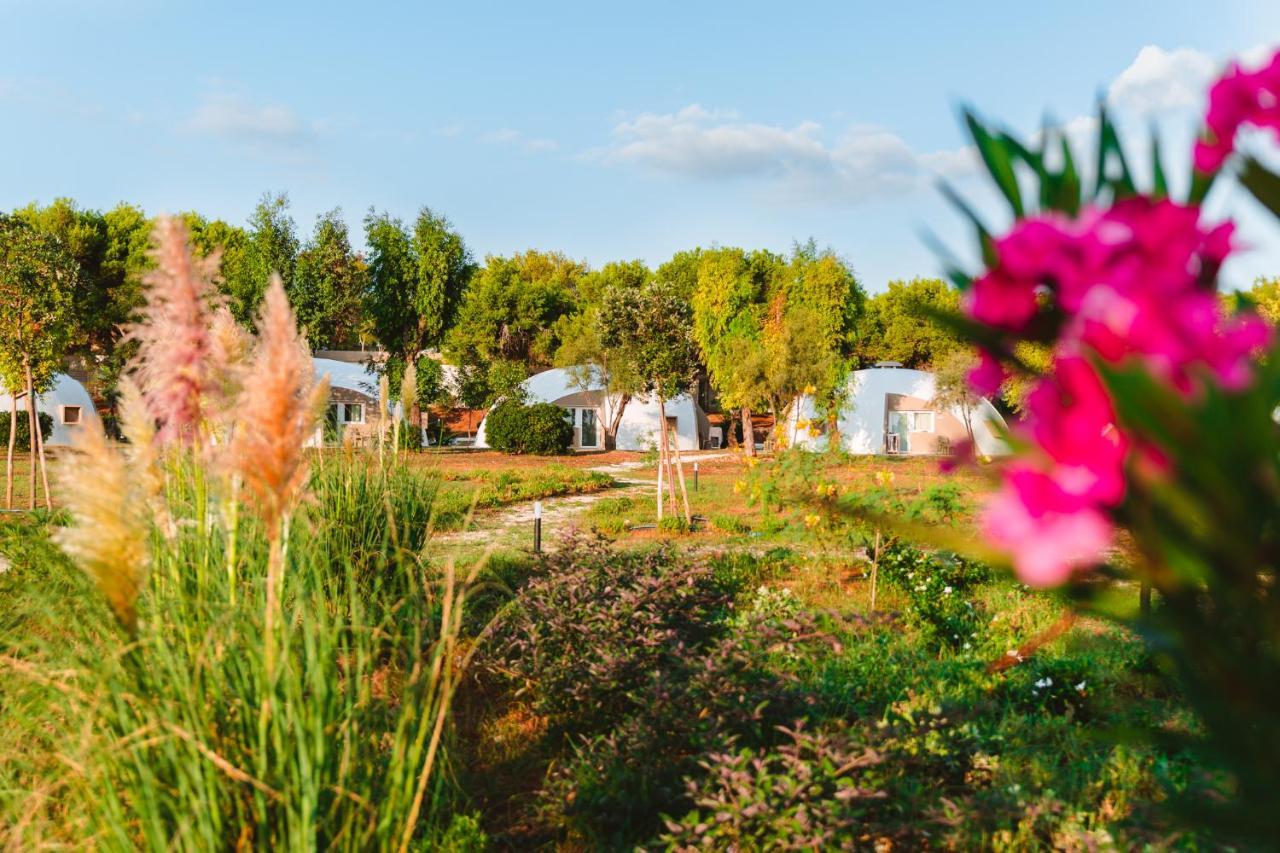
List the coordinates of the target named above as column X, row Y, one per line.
column 23, row 438
column 540, row 429
column 936, row 584
column 729, row 524
column 803, row 795
column 615, row 649
column 674, row 524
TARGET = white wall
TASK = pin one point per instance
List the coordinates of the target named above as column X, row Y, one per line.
column 638, row 429
column 66, row 391
column 862, row 420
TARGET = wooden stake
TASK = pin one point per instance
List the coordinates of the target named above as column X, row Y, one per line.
column 13, row 437
column 34, row 425
column 684, row 492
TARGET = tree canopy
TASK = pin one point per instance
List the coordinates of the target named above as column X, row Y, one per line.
column 895, row 326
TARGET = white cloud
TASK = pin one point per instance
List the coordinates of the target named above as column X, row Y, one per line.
column 507, row 136
column 235, row 117
column 1158, row 80
column 798, row 162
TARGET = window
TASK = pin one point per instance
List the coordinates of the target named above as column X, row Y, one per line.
column 589, row 436
column 71, row 415
column 918, row 421
column 352, row 413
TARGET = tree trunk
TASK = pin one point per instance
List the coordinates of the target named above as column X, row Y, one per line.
column 684, row 491
column 615, row 420
column 33, row 423
column 13, row 438
column 833, row 431
column 748, row 433
column 39, row 440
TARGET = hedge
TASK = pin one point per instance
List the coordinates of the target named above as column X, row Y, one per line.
column 24, row 430
column 540, row 429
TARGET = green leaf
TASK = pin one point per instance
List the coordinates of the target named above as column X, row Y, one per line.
column 1262, row 183
column 984, row 235
column 1109, row 151
column 995, row 154
column 1159, row 184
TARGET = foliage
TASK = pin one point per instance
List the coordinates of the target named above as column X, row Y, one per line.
column 328, row 285
column 167, row 732
column 23, row 438
column 650, row 328
column 416, row 280
column 38, row 280
column 592, row 365
column 897, row 325
column 803, row 794
column 540, row 428
column 615, row 647
column 938, row 589
column 1265, row 295
column 110, row 250
column 509, row 311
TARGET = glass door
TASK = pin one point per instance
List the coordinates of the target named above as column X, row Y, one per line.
column 589, row 437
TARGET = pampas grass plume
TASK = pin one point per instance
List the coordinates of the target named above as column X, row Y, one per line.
column 173, row 337
column 108, row 535
column 278, row 410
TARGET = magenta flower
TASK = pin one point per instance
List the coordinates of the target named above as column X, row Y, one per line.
column 987, row 375
column 1048, row 539
column 1239, row 98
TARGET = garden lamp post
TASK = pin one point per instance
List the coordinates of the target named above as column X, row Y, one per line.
column 537, row 527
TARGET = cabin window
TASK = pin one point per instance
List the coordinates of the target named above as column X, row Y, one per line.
column 347, row 413
column 71, row 415
column 918, row 421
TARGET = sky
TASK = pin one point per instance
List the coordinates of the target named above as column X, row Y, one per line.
column 604, row 131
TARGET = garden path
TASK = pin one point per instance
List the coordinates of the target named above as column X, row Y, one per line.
column 516, row 520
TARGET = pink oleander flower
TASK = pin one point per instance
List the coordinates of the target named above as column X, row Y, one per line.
column 1048, row 540
column 987, row 375
column 1070, row 419
column 1239, row 98
column 173, row 337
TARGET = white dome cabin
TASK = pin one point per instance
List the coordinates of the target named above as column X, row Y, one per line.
column 353, row 412
column 587, row 410
column 890, row 410
column 67, row 402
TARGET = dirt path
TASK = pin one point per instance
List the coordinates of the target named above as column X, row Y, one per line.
column 557, row 513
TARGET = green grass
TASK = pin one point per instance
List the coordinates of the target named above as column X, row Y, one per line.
column 486, row 489
column 181, row 738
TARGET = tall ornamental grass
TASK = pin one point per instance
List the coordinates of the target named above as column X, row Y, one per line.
column 254, row 653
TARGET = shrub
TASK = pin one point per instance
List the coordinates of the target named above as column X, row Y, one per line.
column 936, row 584
column 674, row 524
column 729, row 524
column 631, row 657
column 803, row 795
column 539, row 429
column 23, row 437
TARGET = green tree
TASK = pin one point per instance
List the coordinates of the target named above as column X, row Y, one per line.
column 38, row 280
column 951, row 388
column 896, row 326
column 651, row 328
column 510, row 311
column 329, row 286
column 590, row 363
column 110, row 251
column 729, row 300
column 416, row 281
column 250, row 256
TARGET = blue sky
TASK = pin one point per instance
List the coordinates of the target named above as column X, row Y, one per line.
column 601, row 132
